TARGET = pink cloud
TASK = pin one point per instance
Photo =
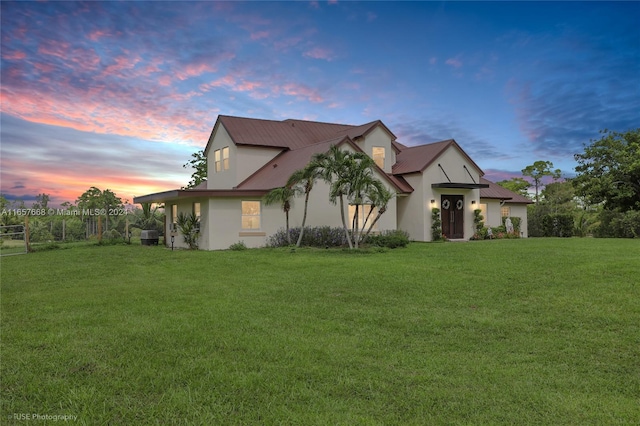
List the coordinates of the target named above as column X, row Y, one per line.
column 14, row 56
column 97, row 35
column 260, row 34
column 320, row 53
column 302, row 91
column 194, row 70
column 165, row 80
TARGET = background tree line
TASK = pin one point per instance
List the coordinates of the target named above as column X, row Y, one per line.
column 95, row 212
column 603, row 199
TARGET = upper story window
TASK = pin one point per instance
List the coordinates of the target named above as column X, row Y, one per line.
column 378, row 156
column 505, row 211
column 251, row 215
column 225, row 158
column 221, row 159
column 217, row 162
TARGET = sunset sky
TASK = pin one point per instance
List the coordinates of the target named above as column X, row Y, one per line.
column 119, row 95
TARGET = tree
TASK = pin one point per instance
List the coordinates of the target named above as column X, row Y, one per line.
column 304, row 179
column 350, row 176
column 282, row 196
column 42, row 201
column 539, row 170
column 517, row 185
column 379, row 196
column 94, row 200
column 608, row 171
column 360, row 183
column 148, row 218
column 334, row 166
column 560, row 196
column 199, row 163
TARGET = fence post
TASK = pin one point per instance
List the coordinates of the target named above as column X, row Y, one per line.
column 26, row 232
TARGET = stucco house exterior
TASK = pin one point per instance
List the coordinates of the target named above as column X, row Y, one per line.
column 247, row 157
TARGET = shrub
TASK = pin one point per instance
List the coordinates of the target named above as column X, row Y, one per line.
column 390, row 239
column 189, row 226
column 618, row 225
column 239, row 246
column 557, row 225
column 112, row 234
column 321, row 236
column 436, row 225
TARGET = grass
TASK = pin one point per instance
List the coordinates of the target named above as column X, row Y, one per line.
column 537, row 331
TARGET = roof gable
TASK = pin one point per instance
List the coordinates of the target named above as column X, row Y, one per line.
column 416, row 159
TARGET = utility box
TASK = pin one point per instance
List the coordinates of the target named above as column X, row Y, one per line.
column 149, row 238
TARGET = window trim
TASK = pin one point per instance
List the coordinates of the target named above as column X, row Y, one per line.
column 225, row 158
column 243, row 215
column 216, row 161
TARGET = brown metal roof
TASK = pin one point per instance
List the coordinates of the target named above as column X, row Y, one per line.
column 417, row 158
column 276, row 172
column 495, row 191
column 292, row 134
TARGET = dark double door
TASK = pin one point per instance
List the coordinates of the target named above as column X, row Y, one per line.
column 452, row 214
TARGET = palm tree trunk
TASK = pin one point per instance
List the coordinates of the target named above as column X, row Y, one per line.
column 380, row 213
column 286, row 213
column 344, row 222
column 304, row 218
column 355, row 228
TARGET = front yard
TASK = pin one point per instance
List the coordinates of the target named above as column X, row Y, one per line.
column 533, row 331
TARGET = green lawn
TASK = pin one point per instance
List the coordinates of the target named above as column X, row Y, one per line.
column 536, row 331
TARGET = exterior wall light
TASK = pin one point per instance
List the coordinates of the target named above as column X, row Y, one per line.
column 433, row 201
column 473, row 201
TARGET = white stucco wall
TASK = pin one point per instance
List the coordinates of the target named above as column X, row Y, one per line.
column 493, row 217
column 243, row 161
column 378, row 137
column 452, row 161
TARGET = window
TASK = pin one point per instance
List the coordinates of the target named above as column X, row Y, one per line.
column 196, row 210
column 218, row 165
column 221, row 159
column 225, row 158
column 251, row 215
column 505, row 211
column 363, row 214
column 378, row 156
column 174, row 216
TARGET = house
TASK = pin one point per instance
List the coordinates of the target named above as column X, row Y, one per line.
column 247, row 157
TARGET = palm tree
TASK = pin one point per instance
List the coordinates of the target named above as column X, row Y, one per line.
column 304, row 179
column 335, row 163
column 379, row 196
column 283, row 196
column 360, row 182
column 149, row 218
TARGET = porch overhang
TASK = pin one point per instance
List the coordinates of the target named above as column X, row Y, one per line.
column 459, row 185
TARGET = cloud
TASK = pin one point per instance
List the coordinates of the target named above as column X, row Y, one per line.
column 320, row 53
column 454, row 62
column 68, row 162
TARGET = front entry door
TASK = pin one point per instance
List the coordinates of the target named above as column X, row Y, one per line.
column 452, row 216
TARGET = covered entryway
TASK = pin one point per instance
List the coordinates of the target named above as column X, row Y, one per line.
column 452, row 216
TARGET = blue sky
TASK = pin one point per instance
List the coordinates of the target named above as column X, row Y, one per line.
column 118, row 95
